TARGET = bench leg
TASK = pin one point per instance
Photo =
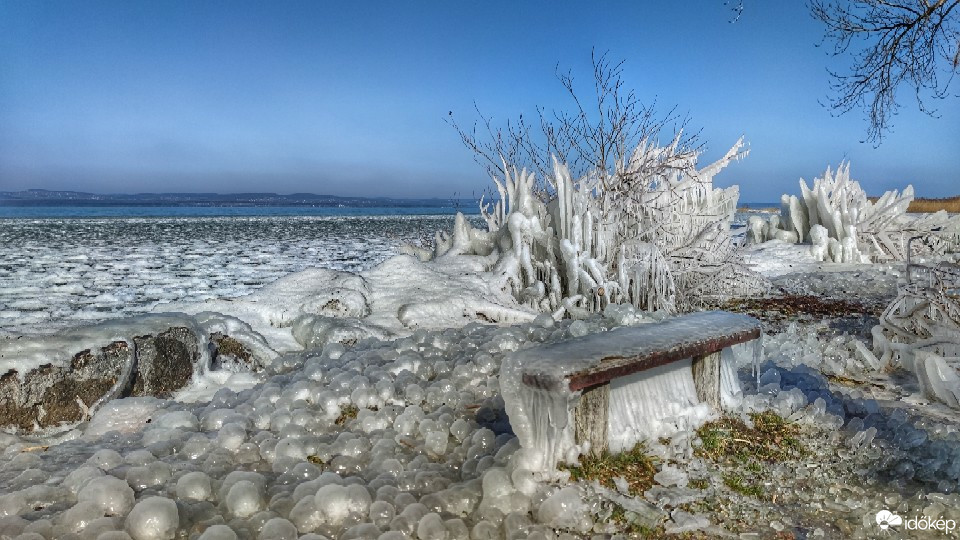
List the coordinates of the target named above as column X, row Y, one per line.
column 590, row 418
column 706, row 379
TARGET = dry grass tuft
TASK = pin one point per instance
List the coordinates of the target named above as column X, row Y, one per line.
column 771, row 439
column 635, row 466
column 748, row 450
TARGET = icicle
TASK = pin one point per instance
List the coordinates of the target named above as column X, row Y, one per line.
column 757, row 357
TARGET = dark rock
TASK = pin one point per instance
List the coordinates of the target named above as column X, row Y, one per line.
column 156, row 365
column 165, row 362
column 48, row 396
column 228, row 354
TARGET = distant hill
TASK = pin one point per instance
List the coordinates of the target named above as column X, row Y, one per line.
column 43, row 197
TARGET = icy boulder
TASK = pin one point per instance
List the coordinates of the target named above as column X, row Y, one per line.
column 344, row 295
column 51, row 381
column 565, row 509
column 315, row 331
column 112, row 495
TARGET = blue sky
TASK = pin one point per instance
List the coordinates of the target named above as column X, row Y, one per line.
column 349, row 98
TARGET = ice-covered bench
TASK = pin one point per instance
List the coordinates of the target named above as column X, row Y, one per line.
column 610, row 390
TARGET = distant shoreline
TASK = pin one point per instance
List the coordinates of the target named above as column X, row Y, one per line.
column 373, row 203
column 919, row 205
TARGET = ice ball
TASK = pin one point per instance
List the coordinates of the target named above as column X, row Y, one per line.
column 111, row 494
column 218, row 532
column 278, row 529
column 195, row 486
column 154, row 518
column 244, row 500
column 105, row 459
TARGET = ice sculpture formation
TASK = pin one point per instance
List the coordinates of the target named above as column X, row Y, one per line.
column 920, row 331
column 843, row 225
column 654, row 233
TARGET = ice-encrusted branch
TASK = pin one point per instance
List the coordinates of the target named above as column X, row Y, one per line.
column 654, row 232
column 844, row 225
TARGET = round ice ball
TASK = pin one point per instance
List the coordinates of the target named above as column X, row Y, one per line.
column 105, row 459
column 278, row 529
column 431, row 527
column 154, row 518
column 218, row 532
column 565, row 509
column 78, row 516
column 109, row 493
column 243, row 499
column 231, row 436
column 12, row 526
column 195, row 486
column 12, row 504
column 79, row 478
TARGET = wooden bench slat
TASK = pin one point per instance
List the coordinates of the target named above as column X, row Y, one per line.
column 589, row 361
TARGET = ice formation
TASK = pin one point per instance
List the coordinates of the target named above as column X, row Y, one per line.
column 66, row 272
column 398, row 430
column 540, row 399
column 654, row 236
column 842, row 225
column 920, row 330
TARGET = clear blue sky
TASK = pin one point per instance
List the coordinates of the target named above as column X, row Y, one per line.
column 349, row 98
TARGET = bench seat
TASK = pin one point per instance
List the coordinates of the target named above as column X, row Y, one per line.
column 609, row 390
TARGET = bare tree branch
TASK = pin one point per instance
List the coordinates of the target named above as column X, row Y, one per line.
column 911, row 42
column 594, row 137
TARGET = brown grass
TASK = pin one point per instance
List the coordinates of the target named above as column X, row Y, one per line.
column 919, row 205
column 635, row 466
column 922, row 205
column 950, row 204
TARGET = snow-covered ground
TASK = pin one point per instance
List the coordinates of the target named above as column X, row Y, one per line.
column 381, row 414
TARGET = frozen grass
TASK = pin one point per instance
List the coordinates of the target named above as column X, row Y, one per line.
column 730, row 441
column 771, row 439
column 635, row 466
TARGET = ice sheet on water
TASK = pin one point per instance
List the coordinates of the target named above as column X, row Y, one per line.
column 94, row 269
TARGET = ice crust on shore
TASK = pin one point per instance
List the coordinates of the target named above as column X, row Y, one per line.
column 427, row 451
column 417, row 446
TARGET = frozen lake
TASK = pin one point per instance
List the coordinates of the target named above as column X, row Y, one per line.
column 57, row 272
column 65, row 266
